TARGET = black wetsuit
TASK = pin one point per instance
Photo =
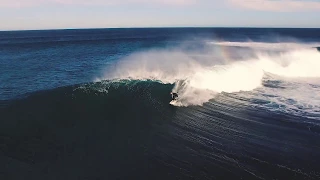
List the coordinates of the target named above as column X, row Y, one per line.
column 174, row 96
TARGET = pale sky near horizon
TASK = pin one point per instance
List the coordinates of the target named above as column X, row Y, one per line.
column 65, row 14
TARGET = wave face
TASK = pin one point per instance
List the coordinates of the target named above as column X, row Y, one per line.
column 137, row 130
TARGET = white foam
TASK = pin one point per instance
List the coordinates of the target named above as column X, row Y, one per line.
column 298, row 63
column 296, row 97
column 198, row 82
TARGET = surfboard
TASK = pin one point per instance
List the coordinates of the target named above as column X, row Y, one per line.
column 175, row 103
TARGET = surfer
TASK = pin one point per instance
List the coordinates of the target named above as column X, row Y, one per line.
column 174, row 95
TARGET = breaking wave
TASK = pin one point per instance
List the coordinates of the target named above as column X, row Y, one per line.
column 197, row 80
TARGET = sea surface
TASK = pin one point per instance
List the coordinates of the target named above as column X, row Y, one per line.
column 89, row 104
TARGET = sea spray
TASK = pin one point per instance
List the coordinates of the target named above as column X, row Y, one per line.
column 198, row 81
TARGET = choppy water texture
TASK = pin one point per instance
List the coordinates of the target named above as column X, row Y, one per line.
column 94, row 104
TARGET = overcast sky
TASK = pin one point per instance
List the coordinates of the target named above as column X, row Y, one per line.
column 53, row 14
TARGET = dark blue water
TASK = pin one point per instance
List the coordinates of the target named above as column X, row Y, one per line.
column 57, row 123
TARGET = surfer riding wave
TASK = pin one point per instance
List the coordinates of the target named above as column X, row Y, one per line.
column 174, row 95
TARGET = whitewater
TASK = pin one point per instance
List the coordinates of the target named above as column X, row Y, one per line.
column 200, row 76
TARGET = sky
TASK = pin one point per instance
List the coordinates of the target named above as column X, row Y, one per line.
column 69, row 14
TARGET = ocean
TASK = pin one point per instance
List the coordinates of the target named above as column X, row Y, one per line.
column 82, row 104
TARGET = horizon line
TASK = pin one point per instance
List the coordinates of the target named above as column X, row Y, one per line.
column 160, row 27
